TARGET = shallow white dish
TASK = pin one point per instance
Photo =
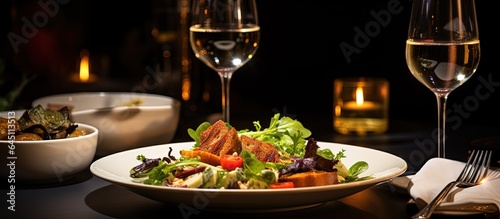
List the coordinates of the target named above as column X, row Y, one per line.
column 121, row 128
column 115, row 168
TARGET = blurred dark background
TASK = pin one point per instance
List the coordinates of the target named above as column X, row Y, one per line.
column 292, row 73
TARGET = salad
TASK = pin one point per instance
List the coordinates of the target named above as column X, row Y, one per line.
column 250, row 166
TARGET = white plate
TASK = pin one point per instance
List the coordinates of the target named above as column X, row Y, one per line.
column 115, row 168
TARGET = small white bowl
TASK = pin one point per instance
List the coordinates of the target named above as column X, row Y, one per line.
column 48, row 160
column 121, row 128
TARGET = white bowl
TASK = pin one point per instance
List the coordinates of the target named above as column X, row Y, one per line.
column 48, row 160
column 121, row 128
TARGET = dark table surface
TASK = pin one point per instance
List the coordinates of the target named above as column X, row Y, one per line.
column 86, row 196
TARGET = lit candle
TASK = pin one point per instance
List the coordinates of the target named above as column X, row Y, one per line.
column 360, row 103
column 84, row 69
column 84, row 75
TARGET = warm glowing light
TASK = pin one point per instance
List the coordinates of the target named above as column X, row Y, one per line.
column 84, row 69
column 359, row 96
column 487, row 178
column 360, row 103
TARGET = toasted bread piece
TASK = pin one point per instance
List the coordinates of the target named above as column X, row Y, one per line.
column 312, row 178
column 206, row 157
column 219, row 140
column 263, row 151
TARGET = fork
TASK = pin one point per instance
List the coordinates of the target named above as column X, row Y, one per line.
column 475, row 170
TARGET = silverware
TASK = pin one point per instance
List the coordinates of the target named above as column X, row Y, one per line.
column 474, row 172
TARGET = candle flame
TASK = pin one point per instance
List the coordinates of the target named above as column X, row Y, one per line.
column 84, row 69
column 359, row 96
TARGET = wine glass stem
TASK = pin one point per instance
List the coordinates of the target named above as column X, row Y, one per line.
column 225, row 78
column 441, row 136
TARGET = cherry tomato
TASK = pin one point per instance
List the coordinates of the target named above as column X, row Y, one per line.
column 281, row 185
column 231, row 162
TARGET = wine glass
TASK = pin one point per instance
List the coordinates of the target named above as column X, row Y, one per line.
column 224, row 35
column 442, row 50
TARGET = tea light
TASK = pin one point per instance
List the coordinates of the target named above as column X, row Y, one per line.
column 361, row 105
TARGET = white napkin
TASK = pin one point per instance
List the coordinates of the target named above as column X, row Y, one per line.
column 437, row 172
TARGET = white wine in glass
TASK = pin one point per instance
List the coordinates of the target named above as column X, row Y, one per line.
column 224, row 35
column 442, row 50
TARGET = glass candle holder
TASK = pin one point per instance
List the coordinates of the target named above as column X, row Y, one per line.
column 361, row 105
